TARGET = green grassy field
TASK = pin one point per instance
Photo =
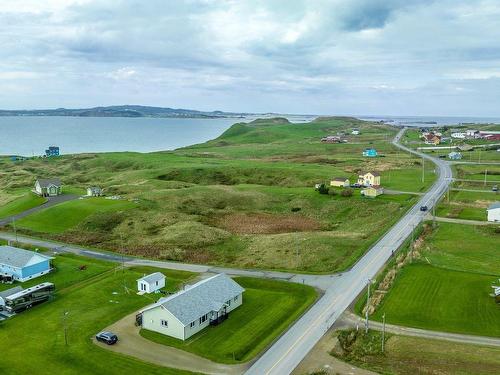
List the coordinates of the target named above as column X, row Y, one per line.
column 20, row 204
column 61, row 217
column 33, row 341
column 412, row 355
column 234, row 200
column 467, row 205
column 449, row 287
column 268, row 308
column 442, row 300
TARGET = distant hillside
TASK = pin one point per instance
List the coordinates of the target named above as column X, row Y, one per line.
column 122, row 111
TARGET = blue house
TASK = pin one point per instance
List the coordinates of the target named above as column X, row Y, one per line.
column 370, row 152
column 22, row 264
column 52, row 151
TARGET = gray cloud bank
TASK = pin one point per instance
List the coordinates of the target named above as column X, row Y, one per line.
column 311, row 56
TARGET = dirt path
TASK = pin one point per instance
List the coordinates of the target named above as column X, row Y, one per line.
column 131, row 343
column 51, row 201
column 352, row 319
column 463, row 221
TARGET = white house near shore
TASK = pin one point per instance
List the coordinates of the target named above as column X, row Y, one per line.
column 494, row 212
column 187, row 312
column 151, row 283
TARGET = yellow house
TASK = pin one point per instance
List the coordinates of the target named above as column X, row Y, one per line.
column 372, row 191
column 369, row 178
column 340, row 182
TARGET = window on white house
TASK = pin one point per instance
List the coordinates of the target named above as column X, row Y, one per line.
column 228, row 303
column 164, row 323
column 192, row 324
column 157, row 283
column 235, row 298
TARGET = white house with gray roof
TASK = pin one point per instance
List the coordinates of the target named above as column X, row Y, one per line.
column 494, row 212
column 151, row 283
column 23, row 264
column 48, row 187
column 187, row 312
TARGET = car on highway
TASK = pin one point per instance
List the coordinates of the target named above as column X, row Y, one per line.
column 423, row 208
column 107, row 337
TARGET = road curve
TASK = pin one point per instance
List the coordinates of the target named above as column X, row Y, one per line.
column 293, row 346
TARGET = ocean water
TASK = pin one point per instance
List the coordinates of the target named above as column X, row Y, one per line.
column 31, row 135
column 431, row 120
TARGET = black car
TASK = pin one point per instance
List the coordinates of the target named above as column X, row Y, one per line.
column 423, row 208
column 356, row 186
column 107, row 337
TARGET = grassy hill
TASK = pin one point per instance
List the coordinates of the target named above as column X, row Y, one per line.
column 244, row 199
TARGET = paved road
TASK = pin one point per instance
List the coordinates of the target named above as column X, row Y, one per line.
column 294, row 345
column 51, row 201
column 354, row 320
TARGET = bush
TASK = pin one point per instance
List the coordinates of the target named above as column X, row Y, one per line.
column 332, row 192
column 346, row 193
column 323, row 189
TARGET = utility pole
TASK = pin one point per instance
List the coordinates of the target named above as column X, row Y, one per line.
column 65, row 325
column 485, row 174
column 383, row 332
column 423, row 170
column 297, row 251
column 367, row 305
column 433, row 214
column 15, row 230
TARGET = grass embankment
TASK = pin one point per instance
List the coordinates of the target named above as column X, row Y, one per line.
column 33, row 341
column 268, row 308
column 20, row 204
column 61, row 217
column 234, row 200
column 447, row 287
column 412, row 355
column 467, row 205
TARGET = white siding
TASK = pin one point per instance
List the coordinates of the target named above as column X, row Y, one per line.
column 150, row 287
column 190, row 331
column 151, row 320
column 494, row 214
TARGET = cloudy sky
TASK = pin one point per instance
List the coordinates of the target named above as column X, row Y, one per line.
column 408, row 57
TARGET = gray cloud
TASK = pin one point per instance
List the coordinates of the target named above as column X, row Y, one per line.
column 323, row 56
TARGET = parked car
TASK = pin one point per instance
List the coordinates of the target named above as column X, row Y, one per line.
column 423, row 208
column 494, row 188
column 107, row 337
column 357, row 186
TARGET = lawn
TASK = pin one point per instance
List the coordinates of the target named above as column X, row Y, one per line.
column 466, row 205
column 269, row 307
column 438, row 299
column 245, row 199
column 445, row 284
column 67, row 271
column 57, row 219
column 20, row 204
column 464, row 248
column 414, row 355
column 33, row 341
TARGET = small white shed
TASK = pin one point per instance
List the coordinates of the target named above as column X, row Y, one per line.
column 151, row 283
column 494, row 212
